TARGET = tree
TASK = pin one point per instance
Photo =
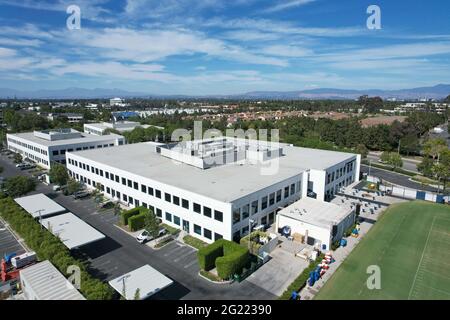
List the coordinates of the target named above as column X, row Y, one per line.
column 19, row 185
column 362, row 150
column 73, row 186
column 58, row 174
column 18, row 158
column 426, row 166
column 137, row 294
column 151, row 224
column 434, row 147
column 393, row 159
column 441, row 169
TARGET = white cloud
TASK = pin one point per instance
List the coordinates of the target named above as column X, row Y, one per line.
column 283, row 5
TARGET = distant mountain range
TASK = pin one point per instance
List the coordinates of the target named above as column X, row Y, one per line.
column 436, row 92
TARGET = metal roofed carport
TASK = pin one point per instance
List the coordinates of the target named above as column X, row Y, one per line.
column 43, row 281
column 39, row 205
column 71, row 230
column 147, row 279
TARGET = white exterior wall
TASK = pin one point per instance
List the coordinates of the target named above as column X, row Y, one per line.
column 43, row 155
column 321, row 234
column 318, row 178
column 222, row 228
column 243, row 224
column 34, row 151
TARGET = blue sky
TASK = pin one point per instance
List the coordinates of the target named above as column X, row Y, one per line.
column 223, row 47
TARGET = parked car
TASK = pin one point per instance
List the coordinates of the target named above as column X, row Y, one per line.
column 81, row 194
column 145, row 236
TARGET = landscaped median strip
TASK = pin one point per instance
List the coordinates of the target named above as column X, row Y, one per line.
column 49, row 247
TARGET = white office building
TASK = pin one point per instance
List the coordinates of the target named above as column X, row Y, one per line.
column 48, row 146
column 210, row 188
column 101, row 129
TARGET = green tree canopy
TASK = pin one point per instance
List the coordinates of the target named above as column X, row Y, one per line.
column 58, row 174
column 19, row 186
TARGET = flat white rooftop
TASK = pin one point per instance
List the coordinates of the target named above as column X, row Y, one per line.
column 40, row 201
column 225, row 183
column 71, row 230
column 84, row 138
column 47, row 283
column 316, row 212
column 147, row 279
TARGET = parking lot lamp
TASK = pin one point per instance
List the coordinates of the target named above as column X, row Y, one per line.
column 250, row 224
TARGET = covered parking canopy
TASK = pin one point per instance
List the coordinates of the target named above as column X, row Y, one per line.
column 39, row 205
column 145, row 279
column 71, row 230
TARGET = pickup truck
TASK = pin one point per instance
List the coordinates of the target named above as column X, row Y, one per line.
column 144, row 236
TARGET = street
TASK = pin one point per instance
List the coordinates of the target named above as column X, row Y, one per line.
column 408, row 164
column 120, row 253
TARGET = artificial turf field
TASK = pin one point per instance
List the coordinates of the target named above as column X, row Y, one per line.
column 411, row 245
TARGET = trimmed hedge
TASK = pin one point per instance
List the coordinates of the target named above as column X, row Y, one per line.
column 49, row 247
column 234, row 260
column 228, row 257
column 126, row 215
column 300, row 281
column 137, row 222
column 207, row 256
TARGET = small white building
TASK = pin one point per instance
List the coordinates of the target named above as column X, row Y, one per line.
column 116, row 102
column 47, row 146
column 321, row 223
column 100, row 129
column 43, row 281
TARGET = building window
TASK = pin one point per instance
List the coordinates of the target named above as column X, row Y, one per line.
column 244, row 230
column 278, row 195
column 136, row 202
column 158, row 194
column 135, row 186
column 245, row 211
column 129, row 183
column 197, row 208
column 197, row 229
column 218, row 215
column 55, row 152
column 117, row 179
column 207, row 212
column 254, row 208
column 125, row 198
column 107, row 175
column 272, row 199
column 168, row 217
column 236, row 215
column 217, row 236
column 292, row 189
column 176, row 200
column 158, row 212
column 207, row 233
column 144, row 188
column 167, row 197
column 176, row 220
column 185, row 203
column 264, row 203
column 150, row 191
column 124, row 181
column 286, row 192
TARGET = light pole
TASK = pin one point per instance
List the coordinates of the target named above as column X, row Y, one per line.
column 40, row 215
column 370, row 166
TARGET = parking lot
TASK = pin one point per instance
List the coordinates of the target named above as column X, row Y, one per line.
column 8, row 243
column 119, row 253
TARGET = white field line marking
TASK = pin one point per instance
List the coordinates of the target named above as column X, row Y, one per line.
column 421, row 258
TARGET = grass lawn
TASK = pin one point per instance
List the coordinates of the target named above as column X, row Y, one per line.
column 411, row 245
column 194, row 242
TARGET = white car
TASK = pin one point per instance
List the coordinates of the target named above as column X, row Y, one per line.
column 145, row 236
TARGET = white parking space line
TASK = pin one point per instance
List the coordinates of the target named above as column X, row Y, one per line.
column 172, row 251
column 190, row 264
column 183, row 256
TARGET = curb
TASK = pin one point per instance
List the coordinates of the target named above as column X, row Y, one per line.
column 215, row 282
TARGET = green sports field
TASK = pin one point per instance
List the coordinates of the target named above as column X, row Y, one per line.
column 411, row 245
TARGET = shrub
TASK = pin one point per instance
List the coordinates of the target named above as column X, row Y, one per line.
column 137, row 222
column 47, row 246
column 207, row 256
column 234, row 259
column 129, row 213
column 228, row 257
